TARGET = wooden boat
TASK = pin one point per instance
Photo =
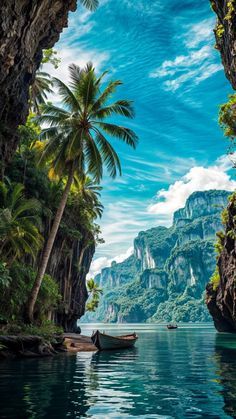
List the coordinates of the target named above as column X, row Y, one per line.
column 103, row 341
column 172, row 326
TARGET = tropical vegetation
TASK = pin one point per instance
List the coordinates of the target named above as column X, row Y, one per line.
column 50, row 195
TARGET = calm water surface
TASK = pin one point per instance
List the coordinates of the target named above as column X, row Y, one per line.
column 184, row 373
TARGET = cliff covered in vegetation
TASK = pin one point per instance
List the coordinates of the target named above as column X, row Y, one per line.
column 221, row 296
column 166, row 276
column 221, row 292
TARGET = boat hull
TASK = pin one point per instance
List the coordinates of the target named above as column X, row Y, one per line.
column 107, row 342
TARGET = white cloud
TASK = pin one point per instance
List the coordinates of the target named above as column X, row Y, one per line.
column 102, row 262
column 196, row 65
column 78, row 56
column 198, row 178
column 199, row 32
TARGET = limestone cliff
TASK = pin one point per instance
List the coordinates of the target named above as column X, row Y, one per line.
column 225, row 33
column 69, row 264
column 221, row 297
column 26, row 28
column 166, row 276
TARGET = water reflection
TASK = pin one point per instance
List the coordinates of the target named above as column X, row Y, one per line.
column 189, row 373
column 43, row 388
column 225, row 350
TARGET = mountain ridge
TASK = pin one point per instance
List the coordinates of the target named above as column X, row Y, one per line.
column 166, row 276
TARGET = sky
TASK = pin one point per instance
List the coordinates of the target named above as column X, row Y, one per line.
column 163, row 51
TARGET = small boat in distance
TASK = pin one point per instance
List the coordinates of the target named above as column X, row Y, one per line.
column 172, row 326
column 103, row 341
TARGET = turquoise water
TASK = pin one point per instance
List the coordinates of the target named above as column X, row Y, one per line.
column 184, row 373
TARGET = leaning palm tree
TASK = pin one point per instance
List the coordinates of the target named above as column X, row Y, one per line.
column 76, row 142
column 19, row 219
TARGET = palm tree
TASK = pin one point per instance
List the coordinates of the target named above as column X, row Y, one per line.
column 75, row 141
column 18, row 223
column 94, row 293
column 39, row 91
column 90, row 4
column 89, row 192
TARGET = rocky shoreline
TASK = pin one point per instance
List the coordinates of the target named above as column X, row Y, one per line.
column 27, row 346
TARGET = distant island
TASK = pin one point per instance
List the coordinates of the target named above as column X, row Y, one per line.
column 166, row 277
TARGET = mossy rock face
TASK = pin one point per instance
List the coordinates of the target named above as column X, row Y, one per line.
column 165, row 278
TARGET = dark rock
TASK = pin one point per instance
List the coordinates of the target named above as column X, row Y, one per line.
column 26, row 28
column 29, row 346
column 70, row 270
column 77, row 330
column 225, row 34
column 221, row 302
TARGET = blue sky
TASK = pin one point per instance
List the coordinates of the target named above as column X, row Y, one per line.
column 163, row 51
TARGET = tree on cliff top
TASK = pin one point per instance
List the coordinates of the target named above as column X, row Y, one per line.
column 75, row 141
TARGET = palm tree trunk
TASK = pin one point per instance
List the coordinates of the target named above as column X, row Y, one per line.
column 47, row 250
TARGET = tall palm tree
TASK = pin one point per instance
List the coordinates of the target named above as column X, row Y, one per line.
column 19, row 233
column 75, row 141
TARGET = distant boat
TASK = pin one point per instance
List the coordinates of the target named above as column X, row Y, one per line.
column 172, row 326
column 103, row 341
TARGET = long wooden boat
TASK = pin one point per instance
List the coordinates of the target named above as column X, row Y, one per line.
column 172, row 326
column 103, row 341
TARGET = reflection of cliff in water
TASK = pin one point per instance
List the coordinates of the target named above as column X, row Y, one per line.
column 44, row 388
column 225, row 350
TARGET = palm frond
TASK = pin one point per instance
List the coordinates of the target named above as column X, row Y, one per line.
column 108, row 154
column 67, row 96
column 123, row 133
column 90, row 4
column 120, row 107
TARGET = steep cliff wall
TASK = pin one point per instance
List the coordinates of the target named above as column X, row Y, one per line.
column 166, row 276
column 225, row 33
column 69, row 264
column 221, row 296
column 26, row 28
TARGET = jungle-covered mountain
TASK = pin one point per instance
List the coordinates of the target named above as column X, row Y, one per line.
column 166, row 276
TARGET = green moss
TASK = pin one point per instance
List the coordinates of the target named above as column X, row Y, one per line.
column 230, row 10
column 219, row 30
column 215, row 279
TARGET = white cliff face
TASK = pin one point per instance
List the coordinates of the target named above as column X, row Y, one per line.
column 201, row 204
column 192, row 277
column 148, row 262
column 144, row 255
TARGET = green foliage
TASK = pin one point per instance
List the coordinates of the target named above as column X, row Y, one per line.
column 227, row 118
column 219, row 242
column 219, row 30
column 5, row 278
column 94, row 295
column 230, row 10
column 50, row 56
column 90, row 4
column 46, row 330
column 15, row 285
column 225, row 217
column 19, row 233
column 215, row 279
